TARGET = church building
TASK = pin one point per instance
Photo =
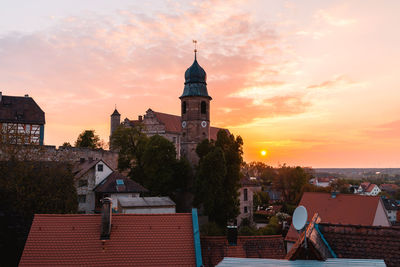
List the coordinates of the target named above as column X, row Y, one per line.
column 188, row 129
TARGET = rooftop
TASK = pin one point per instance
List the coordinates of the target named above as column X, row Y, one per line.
column 20, row 109
column 135, row 240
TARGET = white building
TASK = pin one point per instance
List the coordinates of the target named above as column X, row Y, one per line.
column 94, row 180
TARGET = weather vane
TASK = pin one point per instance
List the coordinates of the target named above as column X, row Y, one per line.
column 195, row 46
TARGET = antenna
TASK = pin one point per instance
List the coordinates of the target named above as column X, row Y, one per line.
column 300, row 220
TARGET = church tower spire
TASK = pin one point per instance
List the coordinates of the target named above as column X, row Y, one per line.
column 195, row 111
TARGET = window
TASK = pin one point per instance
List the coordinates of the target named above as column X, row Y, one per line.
column 120, row 182
column 183, row 107
column 245, row 194
column 174, row 139
column 203, row 107
column 245, row 210
column 82, row 183
column 82, row 198
column 100, row 167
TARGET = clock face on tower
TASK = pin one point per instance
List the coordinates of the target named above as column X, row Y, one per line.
column 183, row 124
column 203, row 124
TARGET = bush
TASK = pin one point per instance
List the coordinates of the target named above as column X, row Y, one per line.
column 212, row 229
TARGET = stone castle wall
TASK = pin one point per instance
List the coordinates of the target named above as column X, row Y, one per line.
column 51, row 153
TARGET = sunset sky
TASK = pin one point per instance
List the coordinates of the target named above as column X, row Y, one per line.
column 313, row 83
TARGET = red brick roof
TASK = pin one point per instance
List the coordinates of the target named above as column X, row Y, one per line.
column 345, row 209
column 215, row 248
column 136, row 240
column 364, row 242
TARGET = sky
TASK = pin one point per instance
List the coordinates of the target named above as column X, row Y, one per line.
column 314, row 83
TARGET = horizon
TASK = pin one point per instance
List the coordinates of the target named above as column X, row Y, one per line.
column 313, row 85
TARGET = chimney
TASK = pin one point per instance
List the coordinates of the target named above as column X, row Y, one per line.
column 232, row 235
column 140, row 118
column 26, row 95
column 333, row 194
column 106, row 218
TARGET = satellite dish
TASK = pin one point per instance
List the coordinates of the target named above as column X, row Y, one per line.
column 299, row 218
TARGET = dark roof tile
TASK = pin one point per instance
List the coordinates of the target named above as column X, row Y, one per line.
column 16, row 109
column 215, row 248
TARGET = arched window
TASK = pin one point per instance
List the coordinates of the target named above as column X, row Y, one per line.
column 183, row 107
column 203, row 107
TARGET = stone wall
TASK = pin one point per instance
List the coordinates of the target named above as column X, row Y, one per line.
column 51, row 153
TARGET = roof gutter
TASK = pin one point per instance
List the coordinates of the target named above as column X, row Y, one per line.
column 196, row 236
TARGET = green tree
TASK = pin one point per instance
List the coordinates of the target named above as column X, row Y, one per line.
column 290, row 182
column 152, row 162
column 88, row 139
column 218, row 175
column 260, row 199
column 159, row 160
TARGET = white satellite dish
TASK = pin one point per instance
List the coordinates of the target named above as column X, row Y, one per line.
column 299, row 218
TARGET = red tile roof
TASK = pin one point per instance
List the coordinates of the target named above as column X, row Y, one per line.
column 136, row 240
column 173, row 124
column 215, row 248
column 364, row 242
column 345, row 209
column 389, row 187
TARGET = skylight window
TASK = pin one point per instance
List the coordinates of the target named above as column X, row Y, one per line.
column 120, row 182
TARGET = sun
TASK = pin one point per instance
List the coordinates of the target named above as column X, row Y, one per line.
column 263, row 153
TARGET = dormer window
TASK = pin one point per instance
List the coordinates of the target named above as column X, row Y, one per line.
column 203, row 107
column 99, row 167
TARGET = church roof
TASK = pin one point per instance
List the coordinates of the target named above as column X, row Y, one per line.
column 115, row 113
column 173, row 124
column 195, row 81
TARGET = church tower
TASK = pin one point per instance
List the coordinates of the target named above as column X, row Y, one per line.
column 195, row 111
column 115, row 122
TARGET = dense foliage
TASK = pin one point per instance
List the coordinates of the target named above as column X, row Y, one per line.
column 28, row 188
column 88, row 139
column 151, row 161
column 217, row 177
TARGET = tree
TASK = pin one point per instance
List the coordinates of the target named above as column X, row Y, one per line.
column 218, row 175
column 260, row 199
column 66, row 144
column 260, row 170
column 290, row 182
column 159, row 159
column 130, row 144
column 88, row 139
column 26, row 188
column 152, row 162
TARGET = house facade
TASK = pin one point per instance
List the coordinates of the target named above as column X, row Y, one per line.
column 94, row 180
column 368, row 189
column 21, row 120
column 246, row 191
